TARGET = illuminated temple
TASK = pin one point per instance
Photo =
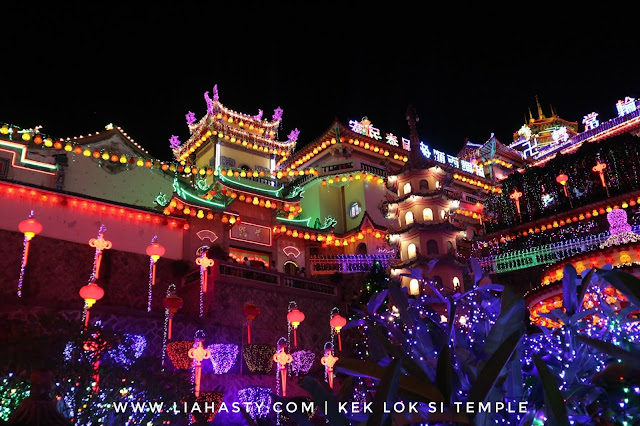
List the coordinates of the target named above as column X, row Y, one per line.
column 245, row 227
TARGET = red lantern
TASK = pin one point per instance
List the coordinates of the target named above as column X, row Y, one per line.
column 155, row 250
column 562, row 179
column 91, row 293
column 172, row 304
column 337, row 322
column 250, row 311
column 295, row 317
column 30, row 228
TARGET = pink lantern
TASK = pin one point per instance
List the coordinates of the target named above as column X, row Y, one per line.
column 328, row 360
column 282, row 358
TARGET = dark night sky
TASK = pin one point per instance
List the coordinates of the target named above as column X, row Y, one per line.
column 73, row 69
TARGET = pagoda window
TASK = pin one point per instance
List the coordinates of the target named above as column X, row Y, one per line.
column 442, row 214
column 432, row 247
column 424, row 185
column 412, row 251
column 361, row 249
column 450, row 249
column 437, row 184
column 291, row 267
column 456, row 283
column 414, row 287
column 427, row 214
column 408, row 218
column 407, row 188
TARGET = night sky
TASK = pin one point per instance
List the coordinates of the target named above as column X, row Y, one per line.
column 73, row 69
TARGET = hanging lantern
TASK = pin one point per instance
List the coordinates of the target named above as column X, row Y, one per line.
column 337, row 322
column 282, row 358
column 30, row 228
column 204, row 262
column 295, row 317
column 562, row 179
column 198, row 353
column 328, row 360
column 91, row 293
column 154, row 251
column 172, row 303
column 250, row 312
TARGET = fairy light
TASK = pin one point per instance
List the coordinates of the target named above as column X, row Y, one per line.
column 302, row 361
column 223, row 357
column 256, row 400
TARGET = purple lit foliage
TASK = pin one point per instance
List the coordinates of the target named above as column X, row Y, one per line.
column 223, row 357
column 209, row 102
column 302, row 361
column 174, row 142
column 215, row 92
column 191, row 118
column 293, row 136
column 256, row 400
column 277, row 114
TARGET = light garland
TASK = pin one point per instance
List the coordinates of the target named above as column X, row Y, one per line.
column 259, row 358
column 256, row 400
column 171, row 303
column 301, row 361
column 223, row 357
column 134, row 344
column 178, row 352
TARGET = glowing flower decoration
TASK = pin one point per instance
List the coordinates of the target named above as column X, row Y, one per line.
column 301, row 361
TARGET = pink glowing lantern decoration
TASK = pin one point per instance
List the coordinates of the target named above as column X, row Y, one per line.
column 337, row 322
column 30, row 228
column 91, row 293
column 155, row 251
column 204, row 262
column 562, row 179
column 100, row 245
column 295, row 317
column 250, row 312
column 198, row 353
column 282, row 358
column 515, row 196
column 172, row 303
column 328, row 360
column 599, row 168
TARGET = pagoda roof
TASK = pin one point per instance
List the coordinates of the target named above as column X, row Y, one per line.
column 492, row 148
column 338, row 132
column 245, row 131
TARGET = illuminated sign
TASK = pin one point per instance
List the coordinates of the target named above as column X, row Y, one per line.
column 626, row 107
column 364, row 127
column 291, row 251
column 560, row 135
column 205, row 233
column 590, row 121
column 451, row 160
column 251, row 233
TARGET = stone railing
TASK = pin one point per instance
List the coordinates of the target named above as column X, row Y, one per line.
column 227, row 271
column 347, row 264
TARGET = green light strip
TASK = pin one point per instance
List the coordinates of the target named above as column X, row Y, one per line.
column 296, row 221
column 183, row 193
column 274, row 192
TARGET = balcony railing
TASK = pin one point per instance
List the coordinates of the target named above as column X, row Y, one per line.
column 542, row 255
column 348, row 264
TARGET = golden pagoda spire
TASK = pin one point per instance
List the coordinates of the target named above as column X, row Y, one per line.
column 540, row 113
column 531, row 120
column 553, row 113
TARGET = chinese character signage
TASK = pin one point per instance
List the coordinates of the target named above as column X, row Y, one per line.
column 443, row 158
column 251, row 233
column 364, row 127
